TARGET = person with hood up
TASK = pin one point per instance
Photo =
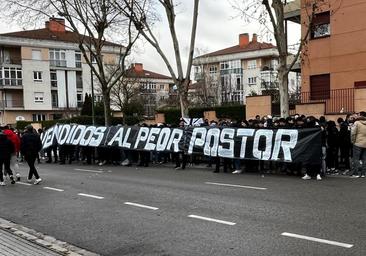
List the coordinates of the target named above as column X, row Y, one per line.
column 358, row 138
column 30, row 146
column 6, row 150
column 13, row 137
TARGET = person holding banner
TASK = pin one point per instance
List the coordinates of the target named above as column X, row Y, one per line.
column 30, row 146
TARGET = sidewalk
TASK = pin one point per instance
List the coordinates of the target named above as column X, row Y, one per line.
column 16, row 240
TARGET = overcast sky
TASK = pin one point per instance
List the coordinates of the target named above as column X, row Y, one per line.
column 218, row 28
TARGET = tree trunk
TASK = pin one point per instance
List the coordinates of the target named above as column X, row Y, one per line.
column 183, row 97
column 283, row 86
column 107, row 107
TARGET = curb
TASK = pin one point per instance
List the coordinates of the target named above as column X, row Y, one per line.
column 43, row 240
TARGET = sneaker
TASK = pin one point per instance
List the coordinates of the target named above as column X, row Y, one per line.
column 355, row 176
column 37, row 181
column 345, row 172
column 306, row 177
column 12, row 181
column 178, row 168
column 362, row 176
column 29, row 180
column 17, row 176
column 318, row 177
column 2, row 183
column 236, row 172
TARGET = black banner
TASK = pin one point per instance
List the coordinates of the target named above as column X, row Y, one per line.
column 285, row 145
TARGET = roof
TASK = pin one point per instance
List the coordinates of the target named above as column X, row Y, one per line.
column 252, row 46
column 146, row 74
column 46, row 34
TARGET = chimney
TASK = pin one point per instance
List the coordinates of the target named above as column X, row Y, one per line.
column 255, row 38
column 138, row 67
column 243, row 40
column 56, row 25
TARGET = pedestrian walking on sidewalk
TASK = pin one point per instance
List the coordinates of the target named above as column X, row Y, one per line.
column 30, row 146
column 358, row 138
column 6, row 150
column 13, row 137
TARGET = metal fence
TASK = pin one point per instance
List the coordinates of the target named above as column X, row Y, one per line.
column 336, row 101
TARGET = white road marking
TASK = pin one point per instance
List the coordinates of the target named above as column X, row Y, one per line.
column 85, row 170
column 235, row 186
column 318, row 240
column 142, row 206
column 23, row 183
column 54, row 189
column 213, row 220
column 92, row 196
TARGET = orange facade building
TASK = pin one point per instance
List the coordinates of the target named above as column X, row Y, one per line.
column 333, row 65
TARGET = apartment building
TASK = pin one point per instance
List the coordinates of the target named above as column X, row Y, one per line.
column 43, row 75
column 333, row 66
column 153, row 89
column 246, row 69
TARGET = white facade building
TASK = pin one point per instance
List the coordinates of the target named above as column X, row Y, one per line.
column 42, row 73
column 246, row 69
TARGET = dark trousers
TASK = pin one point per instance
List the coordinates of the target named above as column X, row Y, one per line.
column 178, row 162
column 32, row 169
column 345, row 157
column 6, row 163
column 332, row 157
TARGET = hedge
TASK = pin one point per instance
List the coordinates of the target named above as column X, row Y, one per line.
column 233, row 112
column 86, row 120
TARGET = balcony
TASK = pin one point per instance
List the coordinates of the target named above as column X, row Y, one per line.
column 10, row 56
column 292, row 11
column 11, row 104
column 336, row 101
column 58, row 63
column 9, row 83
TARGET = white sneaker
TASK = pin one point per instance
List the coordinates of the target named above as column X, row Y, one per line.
column 37, row 181
column 306, row 177
column 2, row 183
column 355, row 176
column 236, row 172
column 362, row 176
column 318, row 177
column 29, row 180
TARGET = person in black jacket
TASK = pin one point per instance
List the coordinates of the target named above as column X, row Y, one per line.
column 30, row 146
column 6, row 150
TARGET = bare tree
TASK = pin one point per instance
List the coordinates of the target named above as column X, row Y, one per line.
column 270, row 13
column 92, row 21
column 138, row 12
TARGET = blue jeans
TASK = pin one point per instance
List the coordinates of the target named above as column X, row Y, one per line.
column 359, row 154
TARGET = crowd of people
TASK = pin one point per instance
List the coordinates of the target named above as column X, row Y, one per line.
column 343, row 150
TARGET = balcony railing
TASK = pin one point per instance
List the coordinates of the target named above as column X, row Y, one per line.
column 11, row 82
column 58, row 63
column 11, row 104
column 336, row 101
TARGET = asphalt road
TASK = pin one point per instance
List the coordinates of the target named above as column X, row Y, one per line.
column 161, row 211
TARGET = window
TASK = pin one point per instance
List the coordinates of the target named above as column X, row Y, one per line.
column 11, row 76
column 252, row 64
column 78, row 59
column 162, row 87
column 320, row 25
column 37, row 76
column 54, row 99
column 38, row 97
column 238, row 83
column 38, row 117
column 53, row 77
column 252, row 80
column 320, row 87
column 213, row 69
column 58, row 57
column 36, row 55
column 79, row 99
column 148, row 87
column 79, row 80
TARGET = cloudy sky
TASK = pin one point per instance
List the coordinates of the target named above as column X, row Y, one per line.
column 218, row 27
